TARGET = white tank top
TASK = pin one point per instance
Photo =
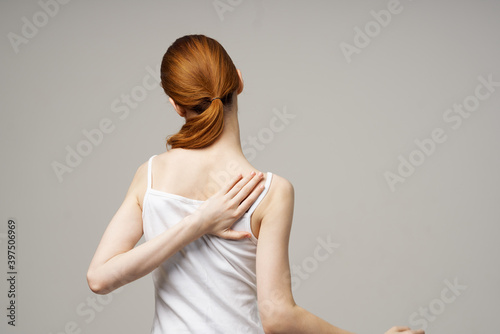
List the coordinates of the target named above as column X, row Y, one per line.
column 210, row 285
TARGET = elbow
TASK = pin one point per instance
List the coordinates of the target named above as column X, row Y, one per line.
column 95, row 284
column 269, row 330
column 277, row 319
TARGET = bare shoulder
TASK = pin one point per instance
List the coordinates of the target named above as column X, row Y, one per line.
column 280, row 196
column 141, row 174
column 281, row 187
column 139, row 183
column 164, row 157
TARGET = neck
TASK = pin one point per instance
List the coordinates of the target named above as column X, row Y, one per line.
column 228, row 143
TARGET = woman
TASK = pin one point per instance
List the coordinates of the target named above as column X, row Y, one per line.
column 217, row 250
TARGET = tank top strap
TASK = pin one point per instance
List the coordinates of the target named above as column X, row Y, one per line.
column 262, row 194
column 150, row 162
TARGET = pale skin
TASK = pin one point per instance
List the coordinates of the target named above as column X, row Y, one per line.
column 117, row 261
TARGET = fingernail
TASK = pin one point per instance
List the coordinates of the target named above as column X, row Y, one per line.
column 252, row 173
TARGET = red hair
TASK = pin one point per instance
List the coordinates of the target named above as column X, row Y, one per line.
column 194, row 70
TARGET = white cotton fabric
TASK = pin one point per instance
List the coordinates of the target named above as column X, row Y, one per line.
column 209, row 286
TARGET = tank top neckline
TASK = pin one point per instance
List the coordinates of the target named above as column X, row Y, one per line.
column 175, row 196
column 186, row 199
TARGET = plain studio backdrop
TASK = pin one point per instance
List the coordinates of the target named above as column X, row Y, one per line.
column 383, row 114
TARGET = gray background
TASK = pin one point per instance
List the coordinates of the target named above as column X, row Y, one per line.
column 397, row 247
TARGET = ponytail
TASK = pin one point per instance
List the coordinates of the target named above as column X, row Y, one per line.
column 194, row 70
column 200, row 130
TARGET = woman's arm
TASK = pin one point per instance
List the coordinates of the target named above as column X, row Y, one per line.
column 116, row 262
column 278, row 311
column 277, row 308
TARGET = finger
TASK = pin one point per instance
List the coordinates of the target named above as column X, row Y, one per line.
column 225, row 189
column 250, row 199
column 235, row 190
column 248, row 188
column 418, row 331
column 397, row 329
column 242, row 190
column 234, row 235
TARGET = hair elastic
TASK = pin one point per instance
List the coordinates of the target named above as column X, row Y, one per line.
column 215, row 98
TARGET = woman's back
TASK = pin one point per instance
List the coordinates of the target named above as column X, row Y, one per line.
column 210, row 285
column 196, row 174
column 199, row 174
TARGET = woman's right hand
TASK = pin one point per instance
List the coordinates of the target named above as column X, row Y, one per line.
column 404, row 330
column 218, row 213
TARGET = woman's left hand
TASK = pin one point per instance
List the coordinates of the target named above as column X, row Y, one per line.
column 217, row 214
